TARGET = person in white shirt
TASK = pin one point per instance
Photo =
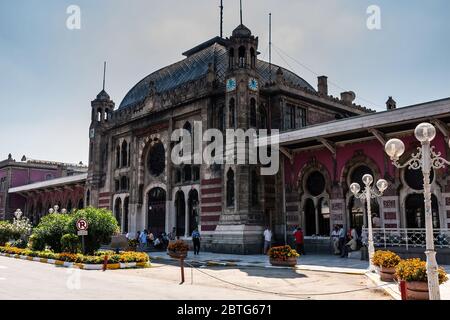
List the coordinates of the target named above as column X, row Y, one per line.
column 267, row 239
column 335, row 239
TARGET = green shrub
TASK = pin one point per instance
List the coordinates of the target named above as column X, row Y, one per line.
column 102, row 225
column 6, row 232
column 36, row 243
column 50, row 230
column 70, row 243
column 20, row 243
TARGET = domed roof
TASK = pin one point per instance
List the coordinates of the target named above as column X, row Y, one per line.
column 241, row 31
column 194, row 67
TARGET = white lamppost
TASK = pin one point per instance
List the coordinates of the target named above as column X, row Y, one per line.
column 426, row 159
column 366, row 196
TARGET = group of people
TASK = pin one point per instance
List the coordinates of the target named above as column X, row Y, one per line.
column 298, row 236
column 147, row 239
column 343, row 242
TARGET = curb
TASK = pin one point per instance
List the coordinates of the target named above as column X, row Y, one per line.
column 375, row 278
column 83, row 266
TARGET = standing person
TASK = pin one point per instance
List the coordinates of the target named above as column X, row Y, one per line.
column 143, row 240
column 172, row 235
column 342, row 240
column 335, row 239
column 267, row 239
column 196, row 240
column 299, row 241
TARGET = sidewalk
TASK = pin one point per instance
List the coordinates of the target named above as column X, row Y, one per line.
column 311, row 262
column 393, row 290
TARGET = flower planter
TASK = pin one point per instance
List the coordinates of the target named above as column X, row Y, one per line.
column 417, row 290
column 290, row 262
column 387, row 274
column 177, row 254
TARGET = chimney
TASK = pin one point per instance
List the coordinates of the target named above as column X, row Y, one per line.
column 391, row 104
column 348, row 97
column 322, row 85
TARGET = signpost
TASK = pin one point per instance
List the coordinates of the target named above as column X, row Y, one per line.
column 82, row 227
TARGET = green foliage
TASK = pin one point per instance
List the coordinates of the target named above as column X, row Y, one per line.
column 50, row 230
column 20, row 243
column 102, row 225
column 6, row 232
column 70, row 243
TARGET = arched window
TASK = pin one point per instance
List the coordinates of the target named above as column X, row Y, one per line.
column 123, row 183
column 187, row 172
column 231, row 110
column 231, row 58
column 358, row 173
column 180, row 207
column 88, row 198
column 415, row 211
column 254, row 188
column 156, row 159
column 118, row 157
column 252, row 112
column 118, row 212
column 324, row 217
column 310, row 218
column 263, row 116
column 189, row 144
column 230, row 188
column 253, row 58
column 315, row 184
column 242, row 60
column 220, row 118
column 124, row 154
column 126, row 210
column 106, row 115
column 414, row 178
column 99, row 115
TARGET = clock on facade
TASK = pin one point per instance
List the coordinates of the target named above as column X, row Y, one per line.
column 231, row 84
column 92, row 133
column 253, row 84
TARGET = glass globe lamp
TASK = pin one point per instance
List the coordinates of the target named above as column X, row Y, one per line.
column 354, row 188
column 395, row 148
column 425, row 132
column 382, row 185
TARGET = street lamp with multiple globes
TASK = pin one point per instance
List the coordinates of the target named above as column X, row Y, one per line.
column 426, row 159
column 366, row 195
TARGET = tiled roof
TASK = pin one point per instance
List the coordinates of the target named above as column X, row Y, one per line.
column 194, row 67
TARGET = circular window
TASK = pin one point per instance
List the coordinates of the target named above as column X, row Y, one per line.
column 156, row 159
column 414, row 178
column 358, row 173
column 315, row 183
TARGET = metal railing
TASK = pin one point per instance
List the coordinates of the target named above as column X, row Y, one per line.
column 407, row 237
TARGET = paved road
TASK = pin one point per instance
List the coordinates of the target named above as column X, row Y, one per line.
column 33, row 280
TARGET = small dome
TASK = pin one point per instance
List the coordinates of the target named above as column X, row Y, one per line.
column 242, row 31
column 103, row 95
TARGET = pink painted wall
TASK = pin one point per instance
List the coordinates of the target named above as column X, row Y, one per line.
column 371, row 149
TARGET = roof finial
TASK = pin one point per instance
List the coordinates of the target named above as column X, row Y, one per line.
column 241, row 10
column 270, row 47
column 104, row 75
column 221, row 18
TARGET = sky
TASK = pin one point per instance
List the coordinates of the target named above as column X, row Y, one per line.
column 49, row 74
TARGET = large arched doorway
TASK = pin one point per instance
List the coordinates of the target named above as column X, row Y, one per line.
column 118, row 212
column 180, row 209
column 310, row 218
column 193, row 210
column 324, row 217
column 156, row 214
column 356, row 213
column 415, row 211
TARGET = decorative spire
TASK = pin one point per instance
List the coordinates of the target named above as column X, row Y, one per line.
column 241, row 10
column 221, row 18
column 104, row 75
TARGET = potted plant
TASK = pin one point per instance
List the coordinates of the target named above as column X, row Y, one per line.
column 414, row 272
column 283, row 256
column 386, row 261
column 177, row 249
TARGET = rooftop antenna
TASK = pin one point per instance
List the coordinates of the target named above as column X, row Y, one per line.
column 221, row 18
column 241, row 10
column 104, row 74
column 270, row 47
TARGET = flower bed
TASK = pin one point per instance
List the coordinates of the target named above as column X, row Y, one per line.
column 122, row 257
column 283, row 256
column 386, row 261
column 416, row 270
